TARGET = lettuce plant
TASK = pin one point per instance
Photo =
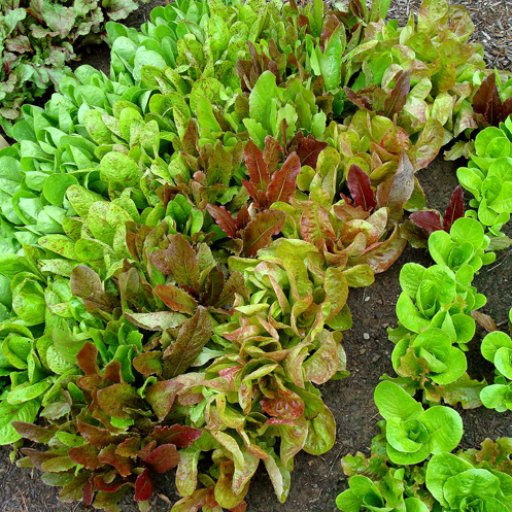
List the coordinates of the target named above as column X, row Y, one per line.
column 458, row 485
column 488, row 177
column 464, row 247
column 429, row 82
column 108, row 442
column 497, row 348
column 385, row 495
column 412, row 433
column 437, row 297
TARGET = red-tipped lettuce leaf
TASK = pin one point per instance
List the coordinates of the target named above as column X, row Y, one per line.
column 261, row 229
column 455, row 209
column 428, row 220
column 283, row 182
column 360, row 187
column 193, row 335
column 143, row 486
column 223, row 218
column 395, row 102
column 488, row 104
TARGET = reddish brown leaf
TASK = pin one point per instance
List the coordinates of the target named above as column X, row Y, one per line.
column 213, row 287
column 33, row 432
column 455, row 209
column 161, row 396
column 261, row 229
column 87, row 455
column 88, row 493
column 193, row 335
column 101, row 485
column 95, row 435
column 191, row 138
column 123, row 465
column 395, row 102
column 428, row 220
column 180, row 435
column 257, row 169
column 283, row 182
column 223, row 218
column 163, row 458
column 86, row 359
column 487, row 102
column 36, row 457
column 330, row 26
column 397, row 189
column 234, row 284
column 361, row 99
column 118, row 397
column 143, row 486
column 308, row 148
column 86, row 284
column 149, row 363
column 112, row 373
column 360, row 187
column 175, row 298
column 129, row 447
column 242, row 217
column 182, row 260
column 272, row 153
column 485, row 321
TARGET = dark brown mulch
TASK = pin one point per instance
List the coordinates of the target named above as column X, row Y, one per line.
column 317, row 480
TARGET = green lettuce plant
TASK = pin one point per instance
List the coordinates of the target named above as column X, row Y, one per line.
column 496, row 348
column 385, row 495
column 412, row 433
column 458, row 485
column 473, row 479
column 465, row 246
column 488, row 177
column 431, row 299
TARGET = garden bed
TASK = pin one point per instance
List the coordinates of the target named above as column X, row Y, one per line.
column 317, row 480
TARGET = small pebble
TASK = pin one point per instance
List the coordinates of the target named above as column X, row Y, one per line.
column 366, row 336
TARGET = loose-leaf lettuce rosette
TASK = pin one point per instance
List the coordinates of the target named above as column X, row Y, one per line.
column 180, row 240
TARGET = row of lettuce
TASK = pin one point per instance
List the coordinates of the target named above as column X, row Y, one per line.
column 178, row 241
column 411, row 466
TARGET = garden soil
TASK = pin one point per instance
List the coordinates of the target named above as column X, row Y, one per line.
column 317, row 480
